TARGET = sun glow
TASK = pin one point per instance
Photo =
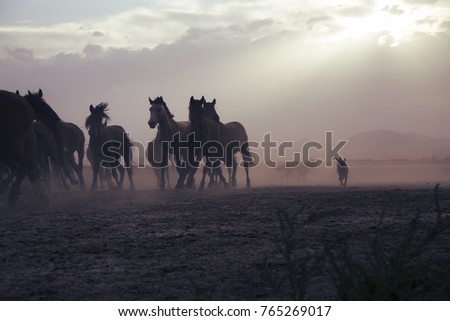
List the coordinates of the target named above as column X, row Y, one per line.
column 392, row 24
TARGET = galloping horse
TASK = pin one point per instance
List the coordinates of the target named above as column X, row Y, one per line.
column 17, row 115
column 231, row 137
column 159, row 151
column 231, row 133
column 101, row 138
column 73, row 140
column 342, row 170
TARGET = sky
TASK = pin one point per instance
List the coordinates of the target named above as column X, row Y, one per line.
column 292, row 68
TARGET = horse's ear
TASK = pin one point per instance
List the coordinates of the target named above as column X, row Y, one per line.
column 40, row 93
column 192, row 99
column 91, row 108
column 203, row 100
column 150, row 100
column 29, row 92
column 17, row 92
column 214, row 101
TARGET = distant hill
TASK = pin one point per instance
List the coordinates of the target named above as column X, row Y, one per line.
column 387, row 144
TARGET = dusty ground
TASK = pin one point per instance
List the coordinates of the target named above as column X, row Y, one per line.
column 153, row 245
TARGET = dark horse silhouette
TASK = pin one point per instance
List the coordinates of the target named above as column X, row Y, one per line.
column 231, row 139
column 342, row 170
column 100, row 135
column 17, row 115
column 232, row 132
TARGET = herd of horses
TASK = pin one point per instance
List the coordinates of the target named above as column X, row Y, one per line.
column 34, row 139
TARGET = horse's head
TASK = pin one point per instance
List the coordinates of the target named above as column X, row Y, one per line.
column 210, row 110
column 196, row 110
column 158, row 111
column 97, row 119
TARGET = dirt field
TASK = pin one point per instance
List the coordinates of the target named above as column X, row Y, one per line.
column 189, row 245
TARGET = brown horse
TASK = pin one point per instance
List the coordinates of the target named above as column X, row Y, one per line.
column 232, row 134
column 104, row 138
column 217, row 140
column 17, row 115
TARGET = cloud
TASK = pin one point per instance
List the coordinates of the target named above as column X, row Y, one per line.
column 420, row 1
column 20, row 54
column 98, row 34
column 394, row 10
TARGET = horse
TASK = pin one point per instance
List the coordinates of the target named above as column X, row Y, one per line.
column 73, row 140
column 216, row 140
column 300, row 169
column 232, row 134
column 17, row 115
column 158, row 153
column 342, row 170
column 101, row 138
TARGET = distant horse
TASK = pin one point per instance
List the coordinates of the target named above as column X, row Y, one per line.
column 101, row 135
column 160, row 151
column 17, row 115
column 301, row 170
column 73, row 140
column 342, row 170
column 230, row 133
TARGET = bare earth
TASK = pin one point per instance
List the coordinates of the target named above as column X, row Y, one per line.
column 189, row 245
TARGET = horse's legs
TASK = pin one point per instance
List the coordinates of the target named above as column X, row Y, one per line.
column 191, row 175
column 79, row 168
column 157, row 173
column 122, row 176
column 95, row 169
column 246, row 157
column 219, row 173
column 168, row 178
column 162, row 178
column 206, row 170
column 102, row 178
column 73, row 167
column 233, row 174
column 130, row 174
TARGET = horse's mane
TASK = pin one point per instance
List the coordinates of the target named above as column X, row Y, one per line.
column 98, row 114
column 160, row 100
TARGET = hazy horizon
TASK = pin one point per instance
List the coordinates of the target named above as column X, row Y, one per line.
column 293, row 69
